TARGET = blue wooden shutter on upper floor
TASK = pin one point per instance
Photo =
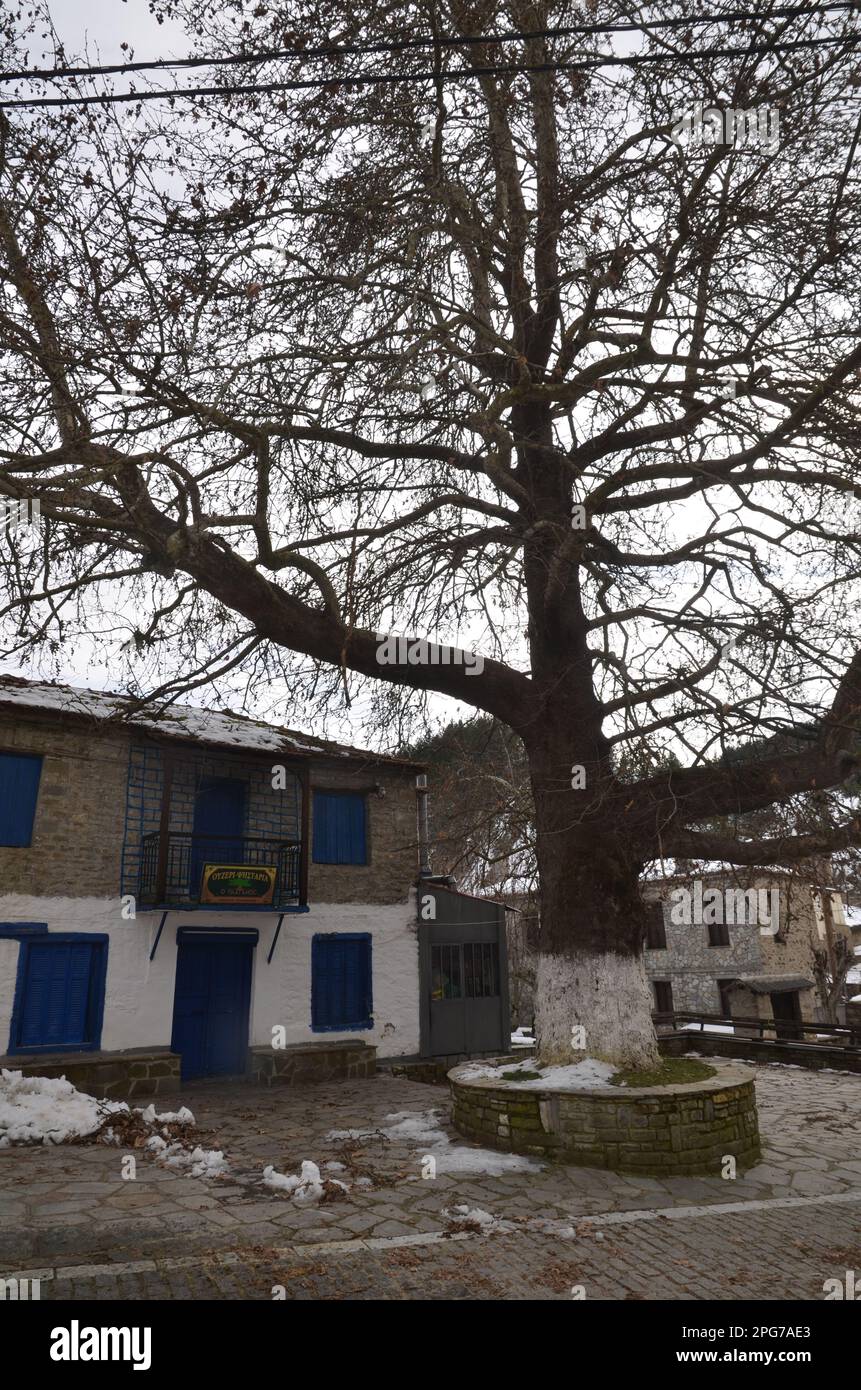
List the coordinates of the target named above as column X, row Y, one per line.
column 19, row 789
column 339, row 828
column 341, row 982
column 60, row 995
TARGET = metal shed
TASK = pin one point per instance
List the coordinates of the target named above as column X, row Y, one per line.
column 463, row 973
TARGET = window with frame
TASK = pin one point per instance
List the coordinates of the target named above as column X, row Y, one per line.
column 656, row 931
column 341, row 982
column 60, row 994
column 340, row 828
column 20, row 774
column 718, row 933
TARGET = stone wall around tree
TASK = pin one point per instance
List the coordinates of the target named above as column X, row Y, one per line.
column 663, row 1130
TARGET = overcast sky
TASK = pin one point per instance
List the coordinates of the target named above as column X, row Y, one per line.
column 102, row 25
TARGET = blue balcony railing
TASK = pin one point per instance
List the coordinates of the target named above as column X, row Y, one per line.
column 172, row 866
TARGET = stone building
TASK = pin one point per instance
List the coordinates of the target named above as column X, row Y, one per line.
column 197, row 884
column 745, row 947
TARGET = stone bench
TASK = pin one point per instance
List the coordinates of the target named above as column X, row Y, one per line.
column 299, row 1063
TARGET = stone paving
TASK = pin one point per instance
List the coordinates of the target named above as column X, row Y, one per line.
column 786, row 1225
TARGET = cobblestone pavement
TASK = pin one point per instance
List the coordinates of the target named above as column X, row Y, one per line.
column 777, row 1231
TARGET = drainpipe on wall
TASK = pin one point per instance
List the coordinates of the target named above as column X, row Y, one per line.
column 423, row 830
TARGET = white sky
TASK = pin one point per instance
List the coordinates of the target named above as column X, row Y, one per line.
column 101, row 26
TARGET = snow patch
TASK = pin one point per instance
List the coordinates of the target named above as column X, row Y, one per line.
column 176, row 720
column 183, row 1116
column 463, row 1215
column 305, row 1187
column 584, row 1075
column 200, row 1163
column 422, row 1129
column 50, row 1110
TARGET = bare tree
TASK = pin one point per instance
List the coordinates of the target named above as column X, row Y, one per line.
column 498, row 351
column 831, row 976
column 482, row 818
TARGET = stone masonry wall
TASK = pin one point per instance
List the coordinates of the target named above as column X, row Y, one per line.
column 311, row 1062
column 94, row 782
column 694, row 967
column 392, row 837
column 78, row 829
column 660, row 1130
column 115, row 1075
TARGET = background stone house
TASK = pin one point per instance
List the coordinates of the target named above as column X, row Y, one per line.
column 734, row 968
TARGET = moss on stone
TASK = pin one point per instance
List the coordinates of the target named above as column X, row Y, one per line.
column 673, row 1071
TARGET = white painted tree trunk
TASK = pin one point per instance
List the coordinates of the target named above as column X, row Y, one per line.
column 608, row 997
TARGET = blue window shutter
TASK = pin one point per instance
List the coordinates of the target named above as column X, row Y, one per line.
column 19, row 788
column 339, row 828
column 341, row 982
column 58, row 995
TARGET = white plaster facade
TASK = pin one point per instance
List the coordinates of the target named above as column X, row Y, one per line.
column 139, row 993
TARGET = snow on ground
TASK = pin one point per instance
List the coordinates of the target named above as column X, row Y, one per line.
column 475, row 1218
column 183, row 1116
column 708, row 1027
column 522, row 1037
column 200, row 1163
column 50, row 1110
column 422, row 1128
column 462, row 1215
column 574, row 1076
column 306, row 1187
column 759, row 1062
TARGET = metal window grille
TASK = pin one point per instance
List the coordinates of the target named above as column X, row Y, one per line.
column 467, row 971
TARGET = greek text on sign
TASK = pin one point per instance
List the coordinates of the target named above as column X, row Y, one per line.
column 238, row 883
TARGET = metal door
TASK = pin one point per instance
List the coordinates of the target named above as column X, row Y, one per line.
column 464, row 974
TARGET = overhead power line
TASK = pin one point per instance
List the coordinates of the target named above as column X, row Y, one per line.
column 443, row 41
column 394, row 78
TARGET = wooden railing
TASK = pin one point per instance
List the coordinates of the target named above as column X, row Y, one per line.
column 785, row 1029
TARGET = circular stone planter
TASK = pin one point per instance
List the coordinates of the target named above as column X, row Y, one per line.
column 689, row 1128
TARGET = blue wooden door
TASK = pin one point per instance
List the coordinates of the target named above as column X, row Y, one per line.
column 211, row 1006
column 219, row 810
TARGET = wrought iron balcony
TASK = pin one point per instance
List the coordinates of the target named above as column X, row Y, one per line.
column 172, row 868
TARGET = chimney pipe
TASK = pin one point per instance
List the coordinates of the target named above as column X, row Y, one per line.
column 423, row 831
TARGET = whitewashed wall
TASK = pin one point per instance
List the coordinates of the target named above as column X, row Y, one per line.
column 139, row 993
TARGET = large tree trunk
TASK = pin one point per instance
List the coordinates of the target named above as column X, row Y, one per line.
column 590, row 973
